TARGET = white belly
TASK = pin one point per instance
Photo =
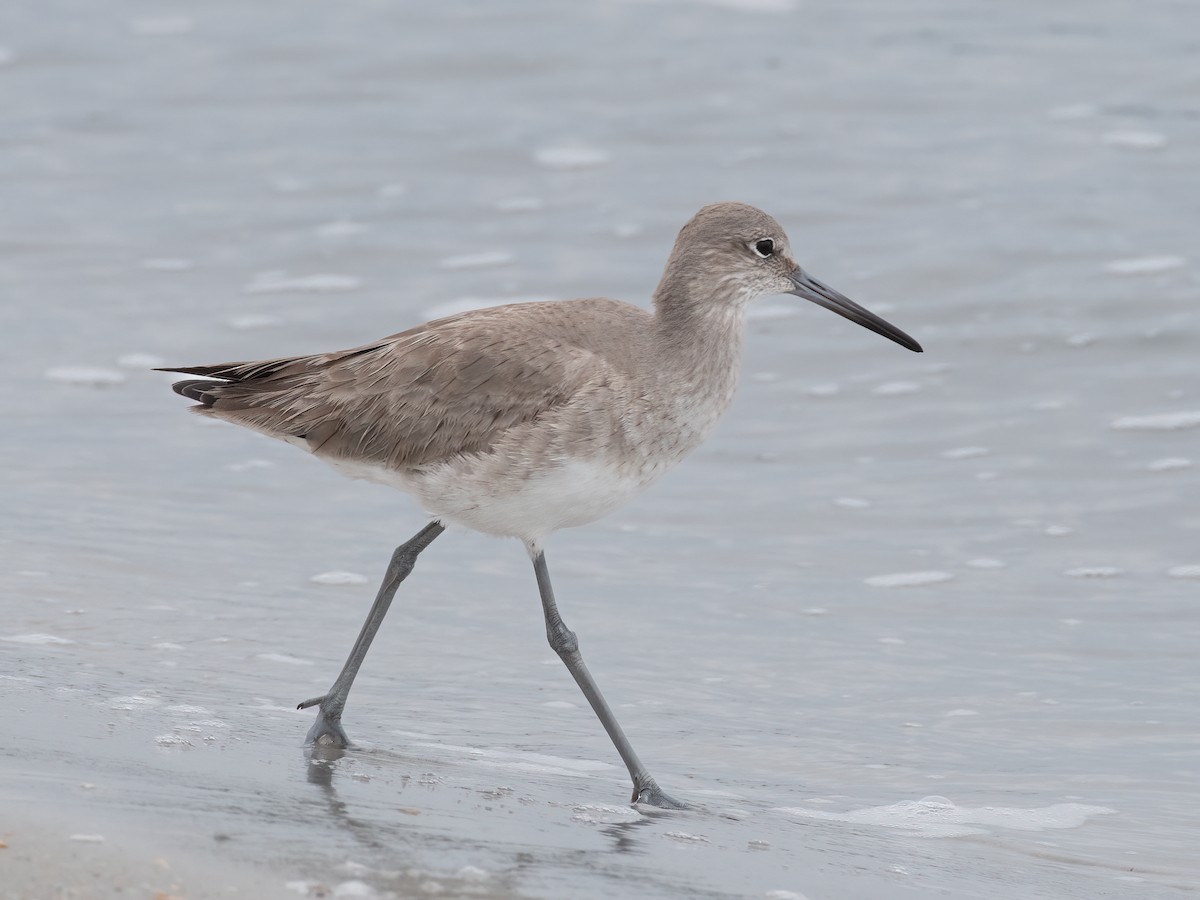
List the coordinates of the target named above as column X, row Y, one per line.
column 561, row 471
column 573, row 493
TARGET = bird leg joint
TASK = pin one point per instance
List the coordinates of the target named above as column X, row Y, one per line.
column 402, row 562
column 562, row 639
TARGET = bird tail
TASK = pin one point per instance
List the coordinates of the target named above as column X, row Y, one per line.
column 206, row 389
column 198, row 389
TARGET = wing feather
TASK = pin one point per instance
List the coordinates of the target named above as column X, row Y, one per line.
column 447, row 388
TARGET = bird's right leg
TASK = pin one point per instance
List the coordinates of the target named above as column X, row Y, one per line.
column 327, row 729
column 566, row 645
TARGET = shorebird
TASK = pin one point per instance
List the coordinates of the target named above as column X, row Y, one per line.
column 520, row 420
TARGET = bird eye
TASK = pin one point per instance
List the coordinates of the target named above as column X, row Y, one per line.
column 764, row 248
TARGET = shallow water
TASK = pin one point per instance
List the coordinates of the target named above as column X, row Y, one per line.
column 907, row 626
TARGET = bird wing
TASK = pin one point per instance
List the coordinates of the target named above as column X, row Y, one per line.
column 447, row 388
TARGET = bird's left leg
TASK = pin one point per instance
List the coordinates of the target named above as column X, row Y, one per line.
column 327, row 729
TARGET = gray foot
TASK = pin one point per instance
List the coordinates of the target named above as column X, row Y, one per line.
column 326, row 731
column 647, row 791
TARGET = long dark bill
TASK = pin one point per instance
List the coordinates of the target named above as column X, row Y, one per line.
column 810, row 289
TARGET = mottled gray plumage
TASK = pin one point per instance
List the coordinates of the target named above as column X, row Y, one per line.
column 448, row 388
column 534, row 382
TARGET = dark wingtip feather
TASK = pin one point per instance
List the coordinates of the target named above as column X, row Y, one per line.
column 202, row 389
column 198, row 390
column 210, row 371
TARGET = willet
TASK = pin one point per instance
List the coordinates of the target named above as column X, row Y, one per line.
column 520, row 420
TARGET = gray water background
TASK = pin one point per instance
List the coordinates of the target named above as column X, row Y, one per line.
column 1014, row 184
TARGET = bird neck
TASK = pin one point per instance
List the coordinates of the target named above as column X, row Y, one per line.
column 699, row 327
